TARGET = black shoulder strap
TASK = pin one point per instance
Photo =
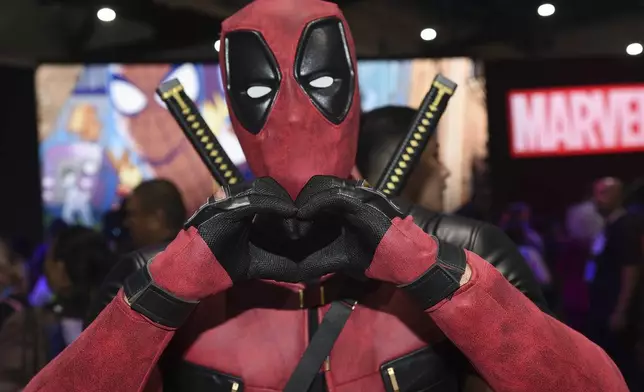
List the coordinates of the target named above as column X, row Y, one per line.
column 320, row 346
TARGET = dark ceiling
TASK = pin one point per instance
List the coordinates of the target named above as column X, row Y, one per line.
column 33, row 31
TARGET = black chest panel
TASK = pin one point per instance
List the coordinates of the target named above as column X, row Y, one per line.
column 431, row 369
column 188, row 377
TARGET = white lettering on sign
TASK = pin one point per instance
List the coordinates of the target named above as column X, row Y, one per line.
column 591, row 120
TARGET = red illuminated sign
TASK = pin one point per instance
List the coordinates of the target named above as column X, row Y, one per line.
column 576, row 121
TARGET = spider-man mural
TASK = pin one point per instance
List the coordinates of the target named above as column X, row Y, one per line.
column 113, row 132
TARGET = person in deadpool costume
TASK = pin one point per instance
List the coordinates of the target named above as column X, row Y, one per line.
column 217, row 310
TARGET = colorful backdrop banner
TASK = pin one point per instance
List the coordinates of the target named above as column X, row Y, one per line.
column 103, row 130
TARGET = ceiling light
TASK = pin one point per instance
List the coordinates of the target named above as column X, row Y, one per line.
column 106, row 15
column 428, row 34
column 546, row 10
column 634, row 49
column 217, row 44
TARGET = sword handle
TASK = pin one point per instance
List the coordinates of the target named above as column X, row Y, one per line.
column 422, row 128
column 204, row 141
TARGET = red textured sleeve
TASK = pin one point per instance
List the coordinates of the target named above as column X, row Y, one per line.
column 516, row 347
column 511, row 343
column 118, row 352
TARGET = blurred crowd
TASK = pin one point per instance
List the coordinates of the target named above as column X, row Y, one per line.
column 588, row 262
column 45, row 296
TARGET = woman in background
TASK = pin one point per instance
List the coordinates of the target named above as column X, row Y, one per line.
column 76, row 264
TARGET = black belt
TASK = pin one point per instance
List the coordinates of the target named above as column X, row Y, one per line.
column 266, row 295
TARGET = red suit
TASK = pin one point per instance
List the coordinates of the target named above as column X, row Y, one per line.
column 292, row 89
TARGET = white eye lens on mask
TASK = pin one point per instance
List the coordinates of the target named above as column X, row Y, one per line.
column 322, row 82
column 258, row 91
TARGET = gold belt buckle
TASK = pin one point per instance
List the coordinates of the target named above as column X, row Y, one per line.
column 322, row 297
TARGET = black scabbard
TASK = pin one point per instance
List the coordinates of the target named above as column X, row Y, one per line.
column 187, row 115
column 422, row 128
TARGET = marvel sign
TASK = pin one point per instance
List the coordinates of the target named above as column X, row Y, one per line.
column 575, row 121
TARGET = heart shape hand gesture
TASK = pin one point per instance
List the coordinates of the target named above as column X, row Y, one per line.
column 225, row 227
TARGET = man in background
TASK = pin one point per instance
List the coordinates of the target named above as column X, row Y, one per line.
column 613, row 273
column 583, row 220
column 154, row 213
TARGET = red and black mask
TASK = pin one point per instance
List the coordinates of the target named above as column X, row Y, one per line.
column 292, row 89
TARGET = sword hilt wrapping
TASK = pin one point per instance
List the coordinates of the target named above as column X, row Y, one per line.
column 193, row 125
column 422, row 128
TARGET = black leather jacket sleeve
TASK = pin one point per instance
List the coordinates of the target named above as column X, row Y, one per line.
column 485, row 240
column 125, row 267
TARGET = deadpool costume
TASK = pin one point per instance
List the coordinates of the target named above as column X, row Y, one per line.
column 218, row 309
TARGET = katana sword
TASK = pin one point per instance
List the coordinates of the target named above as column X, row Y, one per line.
column 187, row 115
column 422, row 128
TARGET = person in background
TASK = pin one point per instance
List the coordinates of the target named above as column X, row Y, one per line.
column 12, row 284
column 114, row 230
column 518, row 233
column 381, row 131
column 519, row 214
column 154, row 213
column 18, row 355
column 613, row 274
column 516, row 221
column 39, row 291
column 583, row 224
column 77, row 263
column 12, row 309
column 583, row 220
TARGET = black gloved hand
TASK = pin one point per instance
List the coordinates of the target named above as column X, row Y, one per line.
column 225, row 225
column 188, row 269
column 381, row 244
column 367, row 216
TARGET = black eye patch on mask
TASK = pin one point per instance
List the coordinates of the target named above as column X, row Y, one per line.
column 253, row 78
column 323, row 68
